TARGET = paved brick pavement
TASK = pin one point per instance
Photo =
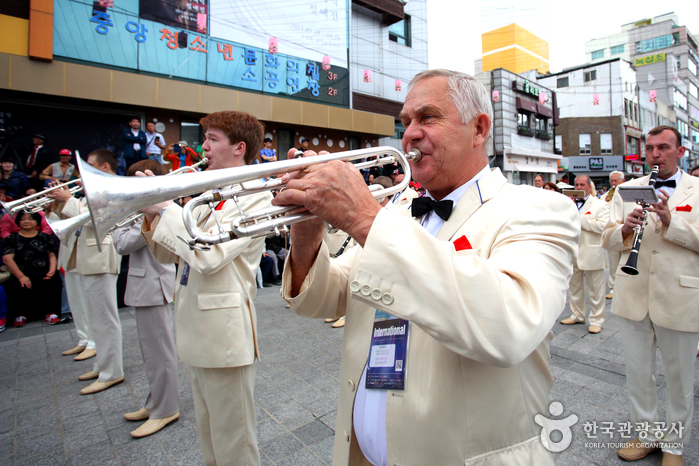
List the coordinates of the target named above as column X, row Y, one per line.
column 44, row 419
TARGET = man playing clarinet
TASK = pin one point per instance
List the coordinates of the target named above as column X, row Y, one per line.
column 658, row 306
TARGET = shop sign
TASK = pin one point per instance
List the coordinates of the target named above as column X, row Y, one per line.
column 596, row 163
column 650, row 59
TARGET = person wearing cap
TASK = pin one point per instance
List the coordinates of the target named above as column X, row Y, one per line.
column 15, row 181
column 304, row 146
column 62, row 171
column 38, row 157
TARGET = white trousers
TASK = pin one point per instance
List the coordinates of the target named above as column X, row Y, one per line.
column 614, row 258
column 678, row 350
column 595, row 290
column 225, row 411
column 75, row 290
column 100, row 290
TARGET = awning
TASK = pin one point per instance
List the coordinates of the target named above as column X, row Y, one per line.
column 527, row 105
column 541, row 110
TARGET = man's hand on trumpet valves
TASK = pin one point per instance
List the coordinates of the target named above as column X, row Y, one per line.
column 336, row 193
column 60, row 195
column 661, row 208
column 153, row 210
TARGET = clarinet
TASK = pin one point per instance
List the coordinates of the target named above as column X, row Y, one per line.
column 632, row 263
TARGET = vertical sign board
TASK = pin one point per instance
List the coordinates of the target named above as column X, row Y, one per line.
column 296, row 49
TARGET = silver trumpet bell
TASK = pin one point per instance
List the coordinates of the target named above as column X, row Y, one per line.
column 111, row 198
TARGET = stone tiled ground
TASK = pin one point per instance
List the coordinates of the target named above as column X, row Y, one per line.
column 44, row 420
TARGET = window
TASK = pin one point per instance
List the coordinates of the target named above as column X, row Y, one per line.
column 631, row 146
column 523, row 120
column 585, row 145
column 590, row 75
column 694, row 136
column 693, row 91
column 691, row 66
column 680, row 100
column 605, row 143
column 562, row 82
column 626, row 108
column 598, row 54
column 400, row 32
column 541, row 124
column 617, row 49
column 558, row 144
column 400, row 131
column 683, row 128
column 635, row 112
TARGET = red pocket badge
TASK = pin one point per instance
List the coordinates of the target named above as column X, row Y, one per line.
column 462, row 243
column 588, row 212
column 684, row 208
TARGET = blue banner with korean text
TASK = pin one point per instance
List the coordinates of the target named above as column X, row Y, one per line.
column 117, row 33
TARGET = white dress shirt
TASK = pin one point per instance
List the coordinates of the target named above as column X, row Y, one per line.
column 369, row 413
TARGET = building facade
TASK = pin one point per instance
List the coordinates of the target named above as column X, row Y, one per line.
column 515, row 49
column 666, row 59
column 77, row 72
column 525, row 113
column 604, row 114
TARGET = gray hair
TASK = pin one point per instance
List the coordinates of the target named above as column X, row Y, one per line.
column 617, row 172
column 468, row 95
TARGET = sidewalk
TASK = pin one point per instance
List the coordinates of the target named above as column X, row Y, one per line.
column 44, row 419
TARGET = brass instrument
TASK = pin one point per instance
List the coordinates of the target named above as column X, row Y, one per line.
column 631, row 264
column 65, row 229
column 37, row 202
column 111, row 198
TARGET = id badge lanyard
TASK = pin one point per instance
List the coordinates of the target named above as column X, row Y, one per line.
column 386, row 367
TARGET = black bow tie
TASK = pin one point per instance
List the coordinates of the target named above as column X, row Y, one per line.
column 423, row 205
column 667, row 184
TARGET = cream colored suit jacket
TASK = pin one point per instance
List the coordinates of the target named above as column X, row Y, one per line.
column 594, row 215
column 667, row 286
column 84, row 258
column 477, row 365
column 149, row 283
column 215, row 319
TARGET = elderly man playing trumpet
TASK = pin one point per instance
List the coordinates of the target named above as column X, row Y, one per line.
column 215, row 316
column 477, row 288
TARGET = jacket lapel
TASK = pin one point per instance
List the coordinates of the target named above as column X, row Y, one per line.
column 477, row 195
column 682, row 192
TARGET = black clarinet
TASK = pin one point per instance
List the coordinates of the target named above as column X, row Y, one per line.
column 631, row 264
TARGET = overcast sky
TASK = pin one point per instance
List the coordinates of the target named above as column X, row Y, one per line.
column 455, row 27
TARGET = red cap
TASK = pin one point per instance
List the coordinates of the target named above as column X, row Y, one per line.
column 65, row 152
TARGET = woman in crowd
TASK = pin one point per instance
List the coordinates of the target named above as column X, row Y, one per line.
column 550, row 186
column 15, row 182
column 150, row 288
column 34, row 291
column 8, row 223
column 185, row 154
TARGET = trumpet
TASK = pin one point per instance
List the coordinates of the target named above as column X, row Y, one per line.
column 111, row 198
column 131, row 219
column 37, row 202
column 65, row 229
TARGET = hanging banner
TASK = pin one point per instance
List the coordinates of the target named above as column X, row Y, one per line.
column 653, row 94
column 595, row 99
column 496, row 96
column 173, row 39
